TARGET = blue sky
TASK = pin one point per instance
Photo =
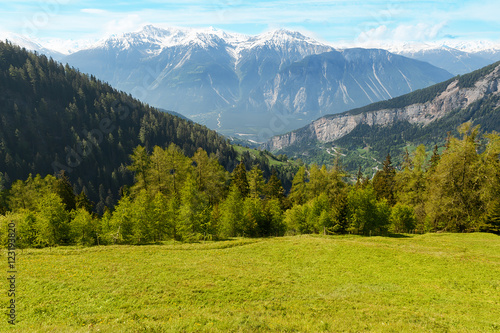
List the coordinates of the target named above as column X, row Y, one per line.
column 327, row 20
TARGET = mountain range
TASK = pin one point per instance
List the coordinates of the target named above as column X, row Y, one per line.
column 421, row 117
column 242, row 84
column 260, row 86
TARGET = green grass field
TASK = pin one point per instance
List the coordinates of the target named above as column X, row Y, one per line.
column 422, row 283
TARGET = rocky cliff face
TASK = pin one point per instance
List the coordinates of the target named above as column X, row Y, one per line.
column 331, row 128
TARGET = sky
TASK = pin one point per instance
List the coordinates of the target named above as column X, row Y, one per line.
column 331, row 21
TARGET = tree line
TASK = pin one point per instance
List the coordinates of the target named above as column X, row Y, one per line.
column 194, row 198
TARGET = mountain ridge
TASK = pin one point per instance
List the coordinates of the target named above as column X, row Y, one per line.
column 227, row 81
column 472, row 93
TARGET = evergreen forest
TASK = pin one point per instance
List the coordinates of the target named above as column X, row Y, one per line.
column 193, row 198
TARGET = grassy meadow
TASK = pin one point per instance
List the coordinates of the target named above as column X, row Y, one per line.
column 415, row 283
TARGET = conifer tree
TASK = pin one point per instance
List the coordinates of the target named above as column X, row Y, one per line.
column 140, row 166
column 231, row 214
column 298, row 192
column 210, row 176
column 64, row 189
column 192, row 214
column 256, row 183
column 160, row 222
column 434, row 159
column 359, row 177
column 492, row 220
column 239, row 179
column 142, row 218
column 83, row 228
column 82, row 201
column 383, row 181
column 274, row 189
column 410, row 185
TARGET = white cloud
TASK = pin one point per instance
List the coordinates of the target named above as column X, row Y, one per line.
column 122, row 24
column 94, row 11
column 404, row 32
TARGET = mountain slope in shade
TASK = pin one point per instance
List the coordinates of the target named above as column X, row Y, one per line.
column 54, row 118
column 336, row 81
column 424, row 116
column 237, row 83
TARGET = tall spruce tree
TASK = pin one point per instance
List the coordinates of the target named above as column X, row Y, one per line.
column 383, row 181
column 240, row 180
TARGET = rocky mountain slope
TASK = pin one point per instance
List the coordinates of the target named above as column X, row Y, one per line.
column 474, row 96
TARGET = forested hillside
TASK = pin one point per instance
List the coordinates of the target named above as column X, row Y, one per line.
column 55, row 118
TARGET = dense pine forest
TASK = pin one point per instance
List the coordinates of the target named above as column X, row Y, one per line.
column 194, row 198
column 54, row 118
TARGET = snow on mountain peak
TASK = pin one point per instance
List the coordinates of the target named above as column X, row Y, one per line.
column 153, row 40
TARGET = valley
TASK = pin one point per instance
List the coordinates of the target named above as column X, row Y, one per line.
column 265, row 166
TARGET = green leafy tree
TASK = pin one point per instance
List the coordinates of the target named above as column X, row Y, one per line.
column 162, row 225
column 274, row 189
column 140, row 167
column 490, row 192
column 253, row 218
column 141, row 219
column 26, row 229
column 318, row 217
column 121, row 225
column 365, row 214
column 210, row 176
column 454, row 202
column 52, row 221
column 402, row 218
column 410, row 184
column 274, row 216
column 296, row 220
column 318, row 181
column 84, row 228
column 231, row 216
column 492, row 219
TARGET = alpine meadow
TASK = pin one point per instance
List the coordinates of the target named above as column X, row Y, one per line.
column 294, row 167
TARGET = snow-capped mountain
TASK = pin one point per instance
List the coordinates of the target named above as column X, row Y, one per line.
column 236, row 83
column 456, row 57
column 30, row 44
column 454, row 61
column 486, row 49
